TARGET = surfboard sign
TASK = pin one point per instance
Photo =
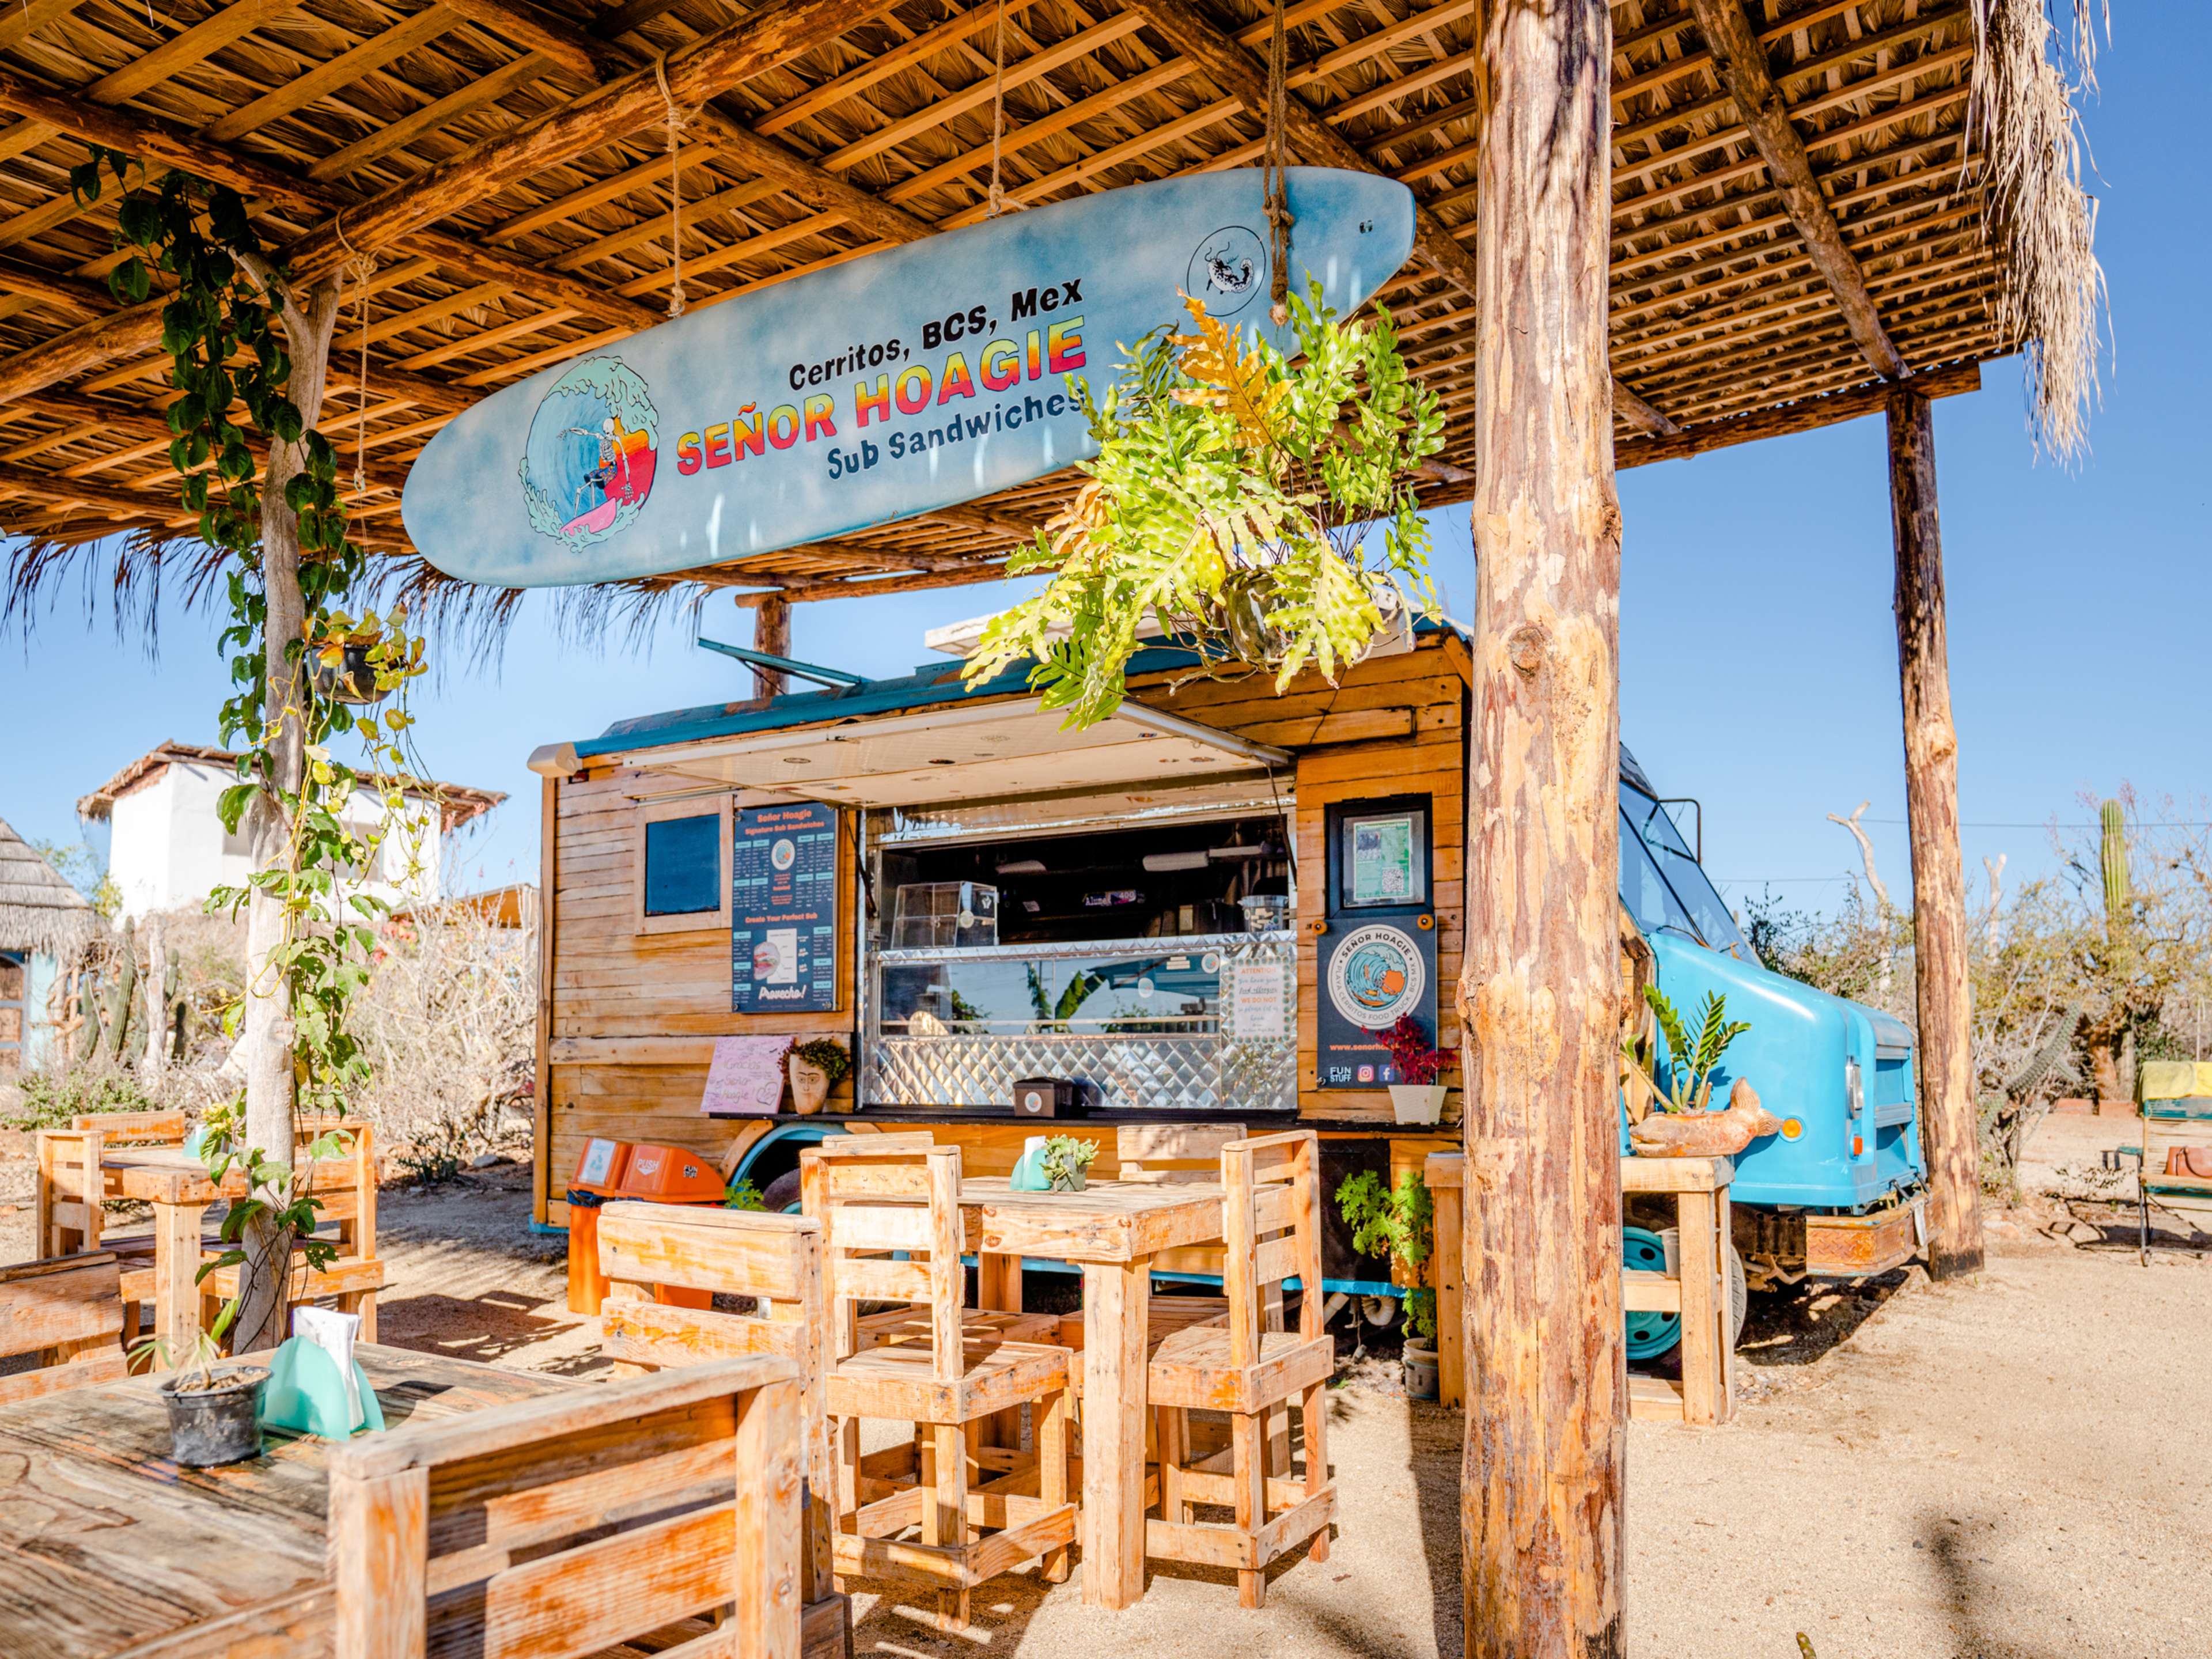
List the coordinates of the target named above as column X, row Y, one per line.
column 890, row 385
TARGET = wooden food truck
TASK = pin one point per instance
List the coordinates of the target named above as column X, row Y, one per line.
column 1207, row 909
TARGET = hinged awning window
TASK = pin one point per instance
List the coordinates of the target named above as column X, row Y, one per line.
column 973, row 752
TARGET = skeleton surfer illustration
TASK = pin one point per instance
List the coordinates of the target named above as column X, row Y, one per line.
column 1228, row 268
column 1225, row 278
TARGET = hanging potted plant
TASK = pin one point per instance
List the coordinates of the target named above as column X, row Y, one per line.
column 816, row 1067
column 1257, row 501
column 1399, row 1223
column 1416, row 1097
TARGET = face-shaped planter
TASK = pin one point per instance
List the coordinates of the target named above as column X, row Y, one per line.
column 809, row 1085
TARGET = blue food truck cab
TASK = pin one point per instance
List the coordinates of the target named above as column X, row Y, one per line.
column 1836, row 1191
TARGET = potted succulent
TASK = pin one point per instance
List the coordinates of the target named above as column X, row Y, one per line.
column 1416, row 1097
column 1399, row 1222
column 214, row 1416
column 1065, row 1162
column 815, row 1068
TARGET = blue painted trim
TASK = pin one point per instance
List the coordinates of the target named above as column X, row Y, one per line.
column 930, row 684
column 548, row 1227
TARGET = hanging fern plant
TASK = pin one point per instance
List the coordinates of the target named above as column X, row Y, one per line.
column 1256, row 503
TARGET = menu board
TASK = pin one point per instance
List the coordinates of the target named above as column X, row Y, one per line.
column 783, row 909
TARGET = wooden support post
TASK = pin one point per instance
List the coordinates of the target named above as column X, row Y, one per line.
column 540, row 1105
column 1949, row 1127
column 1540, row 1490
column 772, row 634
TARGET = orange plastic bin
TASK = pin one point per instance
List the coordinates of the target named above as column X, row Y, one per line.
column 622, row 1169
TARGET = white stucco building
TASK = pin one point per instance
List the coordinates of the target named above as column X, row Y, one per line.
column 168, row 848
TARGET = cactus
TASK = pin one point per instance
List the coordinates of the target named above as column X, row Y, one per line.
column 2115, row 861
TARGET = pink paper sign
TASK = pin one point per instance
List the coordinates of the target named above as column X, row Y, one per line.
column 746, row 1079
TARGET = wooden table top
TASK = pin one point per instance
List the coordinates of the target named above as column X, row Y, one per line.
column 170, row 1174
column 106, row 1546
column 1109, row 1221
column 1638, row 1175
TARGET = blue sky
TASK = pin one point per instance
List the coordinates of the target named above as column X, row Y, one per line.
column 1757, row 654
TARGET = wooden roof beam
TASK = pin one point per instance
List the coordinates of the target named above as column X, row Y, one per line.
column 150, row 139
column 1741, row 63
column 774, row 34
column 1230, row 66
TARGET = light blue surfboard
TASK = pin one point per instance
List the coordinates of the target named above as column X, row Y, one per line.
column 890, row 385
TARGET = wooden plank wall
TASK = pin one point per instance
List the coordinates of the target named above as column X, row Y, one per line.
column 1393, row 726
column 632, row 1016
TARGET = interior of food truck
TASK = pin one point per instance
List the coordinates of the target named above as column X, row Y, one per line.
column 1158, row 881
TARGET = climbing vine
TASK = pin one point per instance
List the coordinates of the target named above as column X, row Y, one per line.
column 224, row 326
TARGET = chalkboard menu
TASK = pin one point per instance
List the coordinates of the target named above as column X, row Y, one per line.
column 783, row 909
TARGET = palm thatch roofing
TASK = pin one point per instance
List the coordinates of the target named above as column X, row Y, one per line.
column 1811, row 200
column 39, row 912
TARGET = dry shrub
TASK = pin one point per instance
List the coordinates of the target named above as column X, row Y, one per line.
column 448, row 1025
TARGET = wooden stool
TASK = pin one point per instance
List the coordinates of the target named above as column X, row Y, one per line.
column 1272, row 1223
column 876, row 1205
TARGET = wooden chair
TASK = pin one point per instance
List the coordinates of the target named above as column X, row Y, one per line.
column 561, row 1527
column 67, row 1313
column 347, row 1189
column 1271, row 1217
column 68, row 1217
column 156, row 1128
column 647, row 1251
column 892, row 1232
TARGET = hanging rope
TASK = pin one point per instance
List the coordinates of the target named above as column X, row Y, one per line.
column 1280, row 219
column 996, row 199
column 362, row 267
column 675, row 124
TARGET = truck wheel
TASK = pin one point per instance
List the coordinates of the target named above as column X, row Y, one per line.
column 780, row 1197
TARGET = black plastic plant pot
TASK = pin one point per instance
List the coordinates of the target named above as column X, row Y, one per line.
column 218, row 1425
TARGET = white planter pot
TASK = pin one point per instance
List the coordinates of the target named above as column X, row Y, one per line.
column 1420, row 1369
column 1418, row 1103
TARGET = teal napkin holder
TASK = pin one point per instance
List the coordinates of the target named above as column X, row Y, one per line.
column 306, row 1394
column 1028, row 1174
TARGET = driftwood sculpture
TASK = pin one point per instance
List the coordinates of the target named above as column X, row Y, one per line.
column 1706, row 1134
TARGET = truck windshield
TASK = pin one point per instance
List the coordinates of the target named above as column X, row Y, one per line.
column 1662, row 884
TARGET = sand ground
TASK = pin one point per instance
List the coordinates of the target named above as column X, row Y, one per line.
column 2016, row 1467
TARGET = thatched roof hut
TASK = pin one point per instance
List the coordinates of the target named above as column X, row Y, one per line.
column 40, row 913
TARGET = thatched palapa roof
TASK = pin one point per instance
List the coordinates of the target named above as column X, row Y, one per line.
column 39, row 912
column 1812, row 198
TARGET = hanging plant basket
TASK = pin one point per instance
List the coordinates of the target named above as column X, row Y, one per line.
column 354, row 680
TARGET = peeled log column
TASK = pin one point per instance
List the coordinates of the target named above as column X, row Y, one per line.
column 772, row 634
column 1949, row 1127
column 1547, row 1391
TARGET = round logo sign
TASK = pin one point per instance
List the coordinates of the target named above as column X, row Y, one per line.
column 1229, row 268
column 784, row 854
column 1376, row 975
column 587, row 465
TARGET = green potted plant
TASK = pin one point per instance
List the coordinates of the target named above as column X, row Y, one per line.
column 1416, row 1097
column 1670, row 1099
column 816, row 1067
column 1065, row 1162
column 1399, row 1223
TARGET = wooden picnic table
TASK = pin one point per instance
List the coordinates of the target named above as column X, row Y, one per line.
column 1113, row 1230
column 175, row 1185
column 107, row 1547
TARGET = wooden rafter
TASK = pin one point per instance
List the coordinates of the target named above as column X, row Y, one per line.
column 1741, row 63
column 519, row 161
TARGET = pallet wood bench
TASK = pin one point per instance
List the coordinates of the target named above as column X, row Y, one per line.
column 66, row 1314
column 1700, row 1186
column 221, row 1565
column 80, row 1168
